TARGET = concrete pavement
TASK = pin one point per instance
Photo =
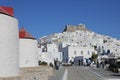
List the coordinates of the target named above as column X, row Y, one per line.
column 73, row 73
column 80, row 73
column 58, row 74
column 83, row 73
column 107, row 75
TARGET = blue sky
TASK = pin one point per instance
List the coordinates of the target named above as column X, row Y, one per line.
column 44, row 17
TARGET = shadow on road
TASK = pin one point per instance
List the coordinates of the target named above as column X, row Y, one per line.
column 118, row 75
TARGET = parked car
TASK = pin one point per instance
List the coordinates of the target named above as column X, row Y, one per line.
column 115, row 65
column 66, row 64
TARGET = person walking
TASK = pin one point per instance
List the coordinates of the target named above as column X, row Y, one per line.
column 57, row 64
column 97, row 65
column 103, row 64
column 79, row 62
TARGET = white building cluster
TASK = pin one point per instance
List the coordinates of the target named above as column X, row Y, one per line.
column 74, row 42
column 49, row 53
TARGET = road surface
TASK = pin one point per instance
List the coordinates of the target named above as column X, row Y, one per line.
column 74, row 73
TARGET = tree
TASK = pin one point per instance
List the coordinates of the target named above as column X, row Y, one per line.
column 95, row 47
column 94, row 57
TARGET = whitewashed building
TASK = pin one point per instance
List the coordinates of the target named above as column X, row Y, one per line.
column 49, row 53
column 28, row 49
column 71, row 52
column 81, row 36
column 9, row 43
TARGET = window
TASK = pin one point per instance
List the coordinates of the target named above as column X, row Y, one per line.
column 74, row 52
column 63, row 54
column 81, row 52
column 88, row 52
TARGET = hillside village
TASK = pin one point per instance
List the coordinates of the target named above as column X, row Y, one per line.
column 76, row 41
column 21, row 52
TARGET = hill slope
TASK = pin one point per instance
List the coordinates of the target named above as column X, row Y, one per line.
column 80, row 35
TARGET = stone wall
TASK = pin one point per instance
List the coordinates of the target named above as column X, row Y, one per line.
column 32, row 73
column 72, row 28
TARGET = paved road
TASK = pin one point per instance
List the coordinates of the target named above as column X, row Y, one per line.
column 84, row 73
column 58, row 74
column 74, row 73
column 81, row 73
column 107, row 75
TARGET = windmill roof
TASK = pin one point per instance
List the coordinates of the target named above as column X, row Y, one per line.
column 7, row 10
column 24, row 34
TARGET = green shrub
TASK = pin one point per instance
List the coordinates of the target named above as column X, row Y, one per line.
column 51, row 65
column 43, row 63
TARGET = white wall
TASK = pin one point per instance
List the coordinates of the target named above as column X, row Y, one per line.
column 50, row 56
column 28, row 53
column 57, row 55
column 74, row 51
column 52, row 48
column 65, row 53
column 39, row 53
column 71, row 52
column 9, row 46
column 46, row 57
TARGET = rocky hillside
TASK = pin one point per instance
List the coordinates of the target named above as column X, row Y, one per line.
column 80, row 35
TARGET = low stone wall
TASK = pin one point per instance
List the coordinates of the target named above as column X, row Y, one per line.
column 32, row 73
